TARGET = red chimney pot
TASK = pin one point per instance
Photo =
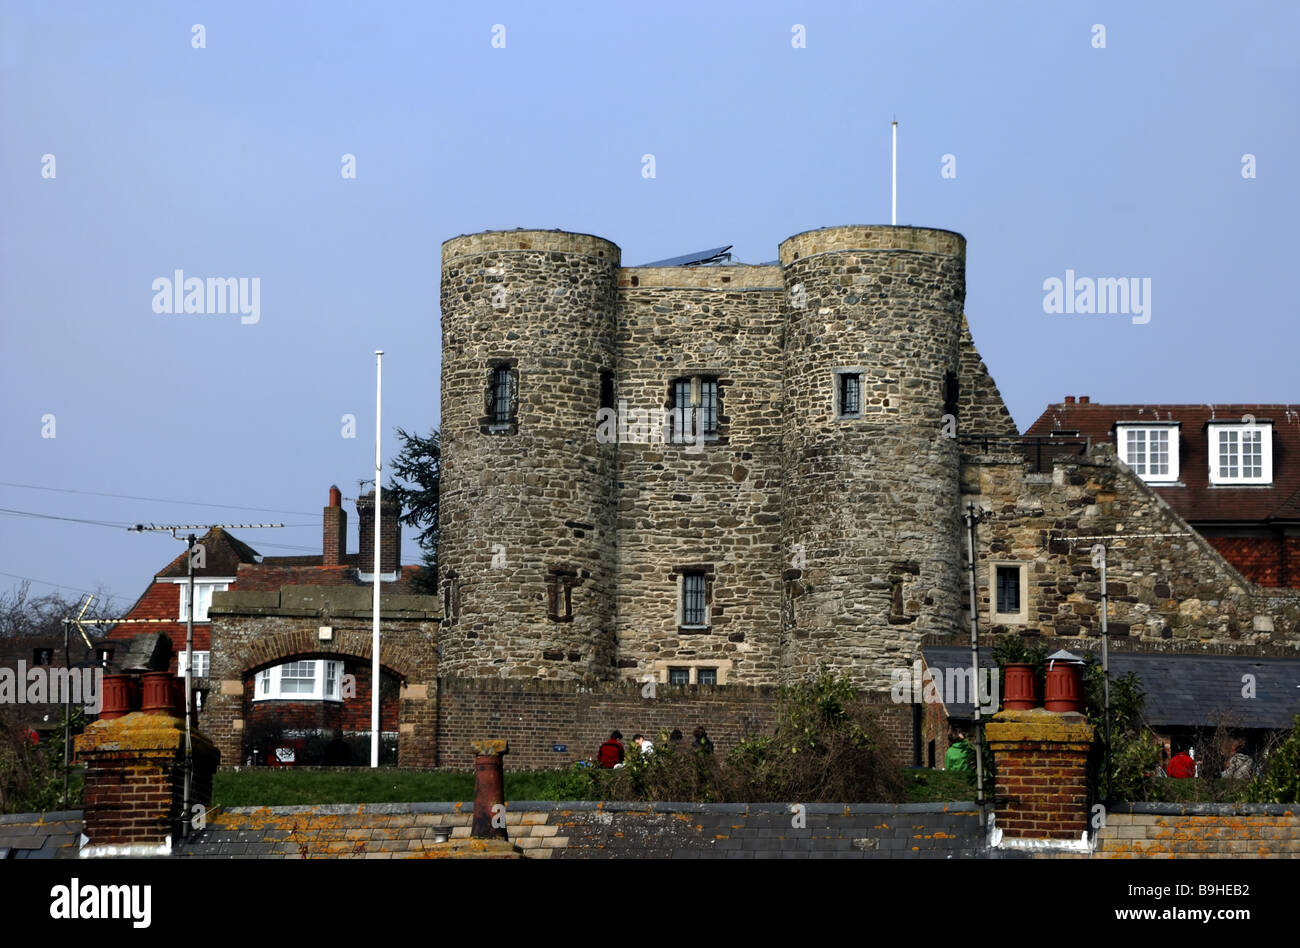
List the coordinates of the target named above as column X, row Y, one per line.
column 1069, row 399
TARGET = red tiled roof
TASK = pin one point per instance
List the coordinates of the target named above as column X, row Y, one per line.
column 1194, row 498
column 161, row 601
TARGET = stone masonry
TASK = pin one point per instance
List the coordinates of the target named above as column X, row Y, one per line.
column 779, row 508
column 819, row 519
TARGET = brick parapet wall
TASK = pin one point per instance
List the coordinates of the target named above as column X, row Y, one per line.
column 576, row 830
column 1200, row 831
column 583, row 830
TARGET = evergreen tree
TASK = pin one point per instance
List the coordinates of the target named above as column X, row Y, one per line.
column 414, row 484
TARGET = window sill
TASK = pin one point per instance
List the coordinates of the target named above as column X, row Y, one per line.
column 694, row 628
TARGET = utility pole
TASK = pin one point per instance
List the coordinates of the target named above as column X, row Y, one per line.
column 67, row 690
column 1099, row 561
column 189, row 630
column 973, row 516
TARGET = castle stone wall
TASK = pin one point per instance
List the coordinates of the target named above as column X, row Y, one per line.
column 870, row 528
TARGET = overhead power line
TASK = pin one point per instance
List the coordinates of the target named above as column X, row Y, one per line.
column 117, row 525
column 30, row 579
column 156, row 500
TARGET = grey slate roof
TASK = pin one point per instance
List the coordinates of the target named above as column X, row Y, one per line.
column 1183, row 690
column 40, row 836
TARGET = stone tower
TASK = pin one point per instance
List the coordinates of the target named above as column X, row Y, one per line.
column 870, row 519
column 527, row 495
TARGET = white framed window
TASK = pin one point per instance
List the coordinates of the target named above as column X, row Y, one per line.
column 1008, row 592
column 202, row 664
column 203, row 591
column 1241, row 453
column 311, row 679
column 1150, row 450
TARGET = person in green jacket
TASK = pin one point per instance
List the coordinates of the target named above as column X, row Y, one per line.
column 958, row 756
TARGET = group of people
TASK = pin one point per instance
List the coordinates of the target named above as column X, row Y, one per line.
column 1236, row 763
column 611, row 754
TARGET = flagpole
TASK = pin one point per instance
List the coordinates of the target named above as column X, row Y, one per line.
column 893, row 212
column 378, row 563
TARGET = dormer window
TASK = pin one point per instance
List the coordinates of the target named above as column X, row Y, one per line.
column 1241, row 453
column 1150, row 450
column 202, row 598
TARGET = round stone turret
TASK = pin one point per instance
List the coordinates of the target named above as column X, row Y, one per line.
column 526, row 499
column 870, row 520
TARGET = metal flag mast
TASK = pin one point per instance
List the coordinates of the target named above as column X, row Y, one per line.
column 377, row 565
column 893, row 212
column 189, row 630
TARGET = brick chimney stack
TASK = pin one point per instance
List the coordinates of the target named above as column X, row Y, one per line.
column 335, row 546
column 391, row 540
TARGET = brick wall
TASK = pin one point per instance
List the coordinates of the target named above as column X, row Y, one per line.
column 1205, row 830
column 1268, row 561
column 535, row 716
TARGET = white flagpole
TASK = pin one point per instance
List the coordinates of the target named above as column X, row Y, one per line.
column 378, row 563
column 893, row 214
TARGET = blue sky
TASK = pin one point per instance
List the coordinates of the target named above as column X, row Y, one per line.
column 221, row 161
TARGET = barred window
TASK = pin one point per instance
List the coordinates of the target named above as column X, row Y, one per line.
column 850, row 395
column 694, row 409
column 694, row 612
column 679, row 409
column 706, row 676
column 500, row 397
column 709, row 407
column 679, row 676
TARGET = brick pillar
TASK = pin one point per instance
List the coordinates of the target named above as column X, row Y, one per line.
column 1041, row 760
column 135, row 782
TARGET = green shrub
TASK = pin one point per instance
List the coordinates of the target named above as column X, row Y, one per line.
column 827, row 746
column 1280, row 780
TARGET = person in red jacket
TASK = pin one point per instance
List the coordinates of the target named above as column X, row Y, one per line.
column 610, row 754
column 1181, row 765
